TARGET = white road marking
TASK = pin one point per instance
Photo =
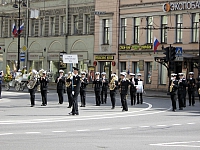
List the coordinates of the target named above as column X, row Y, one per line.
column 59, row 131
column 6, row 134
column 32, row 132
column 178, row 144
column 105, row 129
column 85, row 118
column 125, row 128
column 191, row 123
column 176, row 124
column 144, row 126
column 161, row 125
column 84, row 130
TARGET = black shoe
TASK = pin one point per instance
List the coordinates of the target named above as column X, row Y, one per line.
column 113, row 108
column 137, row 102
column 76, row 114
column 180, row 108
column 32, row 105
column 174, row 110
column 71, row 113
column 69, row 107
column 42, row 105
column 123, row 110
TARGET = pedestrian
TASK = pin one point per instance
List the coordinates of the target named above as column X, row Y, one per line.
column 75, row 91
column 139, row 91
column 191, row 88
column 44, row 87
column 173, row 90
column 104, row 88
column 198, row 87
column 69, row 88
column 123, row 87
column 1, row 80
column 182, row 83
column 133, row 88
column 97, row 88
column 32, row 86
column 84, row 83
column 60, row 80
column 113, row 89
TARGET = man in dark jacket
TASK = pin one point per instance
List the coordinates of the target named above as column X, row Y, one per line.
column 84, row 83
column 133, row 88
column 173, row 90
column 60, row 80
column 113, row 89
column 191, row 88
column 69, row 88
column 97, row 88
column 44, row 87
column 104, row 88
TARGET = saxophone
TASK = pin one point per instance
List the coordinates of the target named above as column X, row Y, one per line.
column 112, row 84
column 171, row 87
column 67, row 84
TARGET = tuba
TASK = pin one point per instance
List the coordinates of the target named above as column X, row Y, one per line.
column 39, row 75
column 67, row 84
column 112, row 84
column 32, row 79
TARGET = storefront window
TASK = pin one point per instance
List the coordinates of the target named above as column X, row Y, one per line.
column 37, row 65
column 148, row 72
column 53, row 68
column 123, row 66
column 162, row 74
column 135, row 68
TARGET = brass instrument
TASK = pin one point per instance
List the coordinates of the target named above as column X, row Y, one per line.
column 112, row 84
column 199, row 91
column 32, row 79
column 67, row 84
column 39, row 75
column 171, row 87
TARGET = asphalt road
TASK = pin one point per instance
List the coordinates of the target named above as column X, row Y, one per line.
column 150, row 126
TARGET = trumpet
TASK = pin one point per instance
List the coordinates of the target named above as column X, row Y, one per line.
column 67, row 84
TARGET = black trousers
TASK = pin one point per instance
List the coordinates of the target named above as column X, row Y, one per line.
column 60, row 96
column 70, row 98
column 133, row 97
column 83, row 95
column 181, row 100
column 104, row 96
column 173, row 99
column 139, row 96
column 191, row 97
column 44, row 97
column 97, row 96
column 124, row 102
column 0, row 89
column 75, row 103
column 32, row 96
column 112, row 97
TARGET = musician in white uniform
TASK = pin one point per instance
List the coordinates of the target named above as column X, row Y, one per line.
column 139, row 94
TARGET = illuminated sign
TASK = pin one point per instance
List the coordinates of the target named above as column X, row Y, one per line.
column 135, row 47
column 104, row 57
column 173, row 6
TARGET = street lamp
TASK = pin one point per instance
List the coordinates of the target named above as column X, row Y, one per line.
column 199, row 52
column 18, row 32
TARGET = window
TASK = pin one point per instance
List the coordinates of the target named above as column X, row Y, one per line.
column 32, row 28
column 123, row 30
column 179, row 23
column 136, row 30
column 105, row 31
column 52, row 25
column 148, row 72
column 75, row 24
column 149, row 29
column 41, row 26
column 62, row 25
column 2, row 27
column 10, row 26
column 123, row 66
column 163, row 29
column 162, row 74
column 135, row 68
column 86, row 24
column 195, row 25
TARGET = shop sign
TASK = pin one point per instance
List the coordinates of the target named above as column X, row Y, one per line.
column 34, row 56
column 135, row 47
column 12, row 56
column 185, row 5
column 53, row 56
column 104, row 57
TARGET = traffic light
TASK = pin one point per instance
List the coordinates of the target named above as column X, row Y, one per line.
column 166, row 53
column 173, row 54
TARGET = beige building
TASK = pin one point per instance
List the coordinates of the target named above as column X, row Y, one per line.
column 174, row 23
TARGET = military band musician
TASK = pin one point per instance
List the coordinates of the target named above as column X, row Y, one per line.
column 133, row 88
column 191, row 88
column 104, row 88
column 97, row 88
column 173, row 90
column 139, row 95
column 113, row 89
column 44, row 87
column 60, row 80
column 84, row 83
column 69, row 88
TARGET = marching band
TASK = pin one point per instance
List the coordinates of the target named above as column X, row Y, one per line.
column 76, row 84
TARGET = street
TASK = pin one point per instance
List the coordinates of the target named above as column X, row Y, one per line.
column 151, row 125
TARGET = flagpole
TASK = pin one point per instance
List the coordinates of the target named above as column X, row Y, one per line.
column 18, row 61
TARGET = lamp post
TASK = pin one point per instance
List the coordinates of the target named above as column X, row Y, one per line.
column 199, row 53
column 18, row 31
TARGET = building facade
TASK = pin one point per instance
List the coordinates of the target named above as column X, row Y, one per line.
column 48, row 33
column 172, row 22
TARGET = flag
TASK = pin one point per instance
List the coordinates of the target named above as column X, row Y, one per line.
column 21, row 28
column 14, row 30
column 156, row 44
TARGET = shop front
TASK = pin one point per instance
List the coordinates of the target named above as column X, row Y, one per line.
column 12, row 60
column 36, row 61
column 53, row 62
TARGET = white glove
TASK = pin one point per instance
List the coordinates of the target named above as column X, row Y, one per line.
column 72, row 92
